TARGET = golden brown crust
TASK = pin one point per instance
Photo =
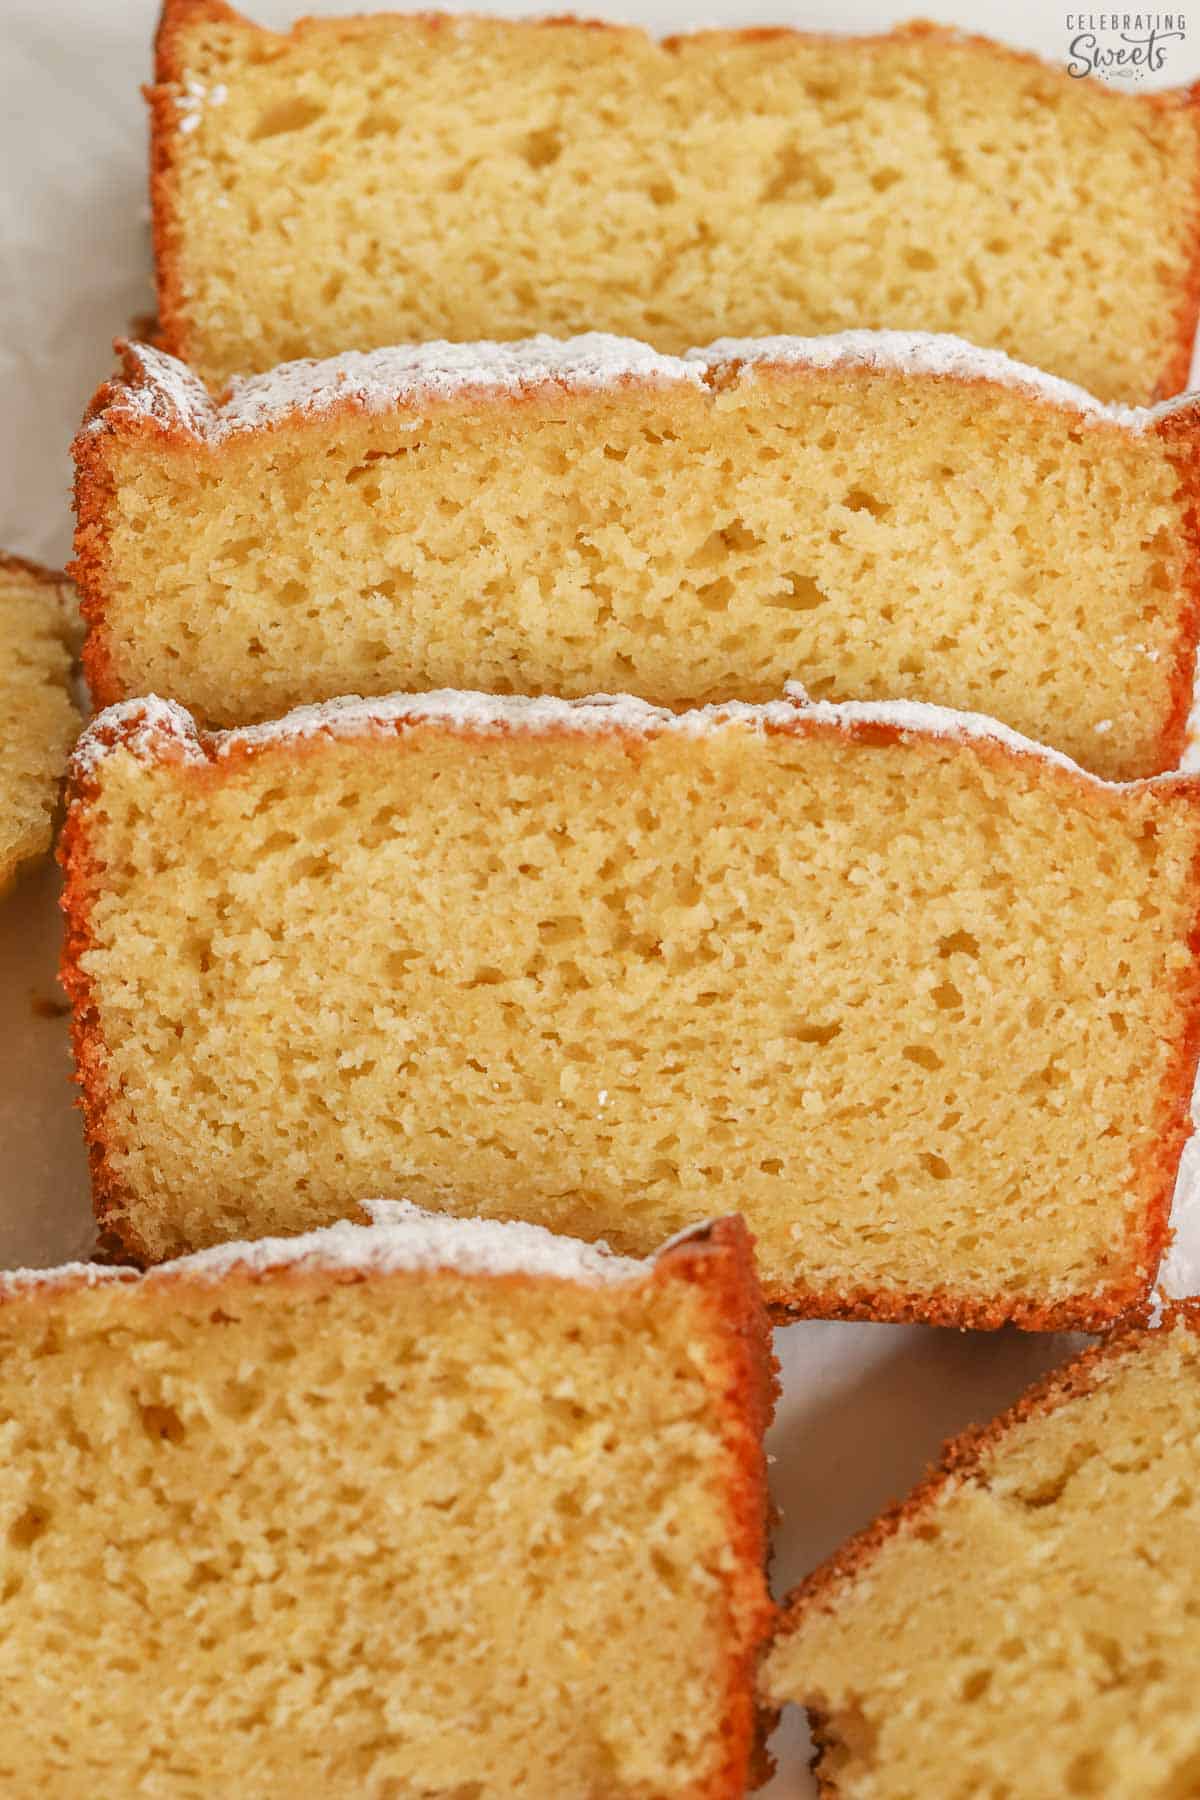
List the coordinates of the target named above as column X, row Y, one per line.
column 749, row 1386
column 1179, row 431
column 178, row 16
column 717, row 1260
column 1148, row 1217
column 961, row 1460
column 37, row 572
column 81, row 880
column 110, row 421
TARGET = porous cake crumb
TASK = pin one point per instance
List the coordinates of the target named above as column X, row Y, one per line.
column 916, row 997
column 877, row 514
column 1026, row 1623
column 427, row 1507
column 38, row 720
column 366, row 181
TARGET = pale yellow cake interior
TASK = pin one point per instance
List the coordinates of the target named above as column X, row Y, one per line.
column 38, row 722
column 871, row 535
column 1033, row 1635
column 909, row 1008
column 424, row 1536
column 398, row 178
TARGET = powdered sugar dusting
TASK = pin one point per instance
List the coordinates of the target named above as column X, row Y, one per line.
column 405, row 376
column 925, row 353
column 140, row 726
column 410, row 377
column 14, row 1282
column 145, row 727
column 401, row 1237
column 194, row 98
column 161, row 389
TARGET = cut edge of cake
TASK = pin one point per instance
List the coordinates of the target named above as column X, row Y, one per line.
column 158, row 732
column 62, row 606
column 715, row 1260
column 156, row 398
column 962, row 1458
column 169, row 128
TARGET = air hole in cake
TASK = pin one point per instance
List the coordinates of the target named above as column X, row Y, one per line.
column 1088, row 1774
column 959, row 943
column 162, row 1423
column 377, row 124
column 935, row 1165
column 859, row 500
column 542, row 147
column 816, row 1034
column 29, row 1526
column 947, row 997
column 715, row 596
column 922, row 1054
column 883, row 179
column 294, row 114
column 802, row 594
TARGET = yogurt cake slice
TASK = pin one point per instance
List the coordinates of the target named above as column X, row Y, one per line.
column 1028, row 1621
column 917, row 998
column 357, row 182
column 38, row 720
column 880, row 515
column 432, row 1507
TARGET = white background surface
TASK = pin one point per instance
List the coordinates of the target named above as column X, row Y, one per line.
column 864, row 1407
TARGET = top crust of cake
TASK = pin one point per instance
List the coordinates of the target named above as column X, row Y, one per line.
column 154, row 729
column 158, row 390
column 399, row 1238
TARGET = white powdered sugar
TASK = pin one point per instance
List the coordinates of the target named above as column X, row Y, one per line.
column 146, row 727
column 401, row 1237
column 194, row 98
column 410, row 377
column 926, row 354
column 406, row 376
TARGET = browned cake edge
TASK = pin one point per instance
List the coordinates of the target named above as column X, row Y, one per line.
column 37, row 572
column 1148, row 1231
column 961, row 1459
column 178, row 16
column 114, row 420
column 717, row 1260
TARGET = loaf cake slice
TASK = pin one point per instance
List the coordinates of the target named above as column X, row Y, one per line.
column 879, row 515
column 38, row 720
column 918, row 1000
column 1028, row 1621
column 364, row 181
column 433, row 1507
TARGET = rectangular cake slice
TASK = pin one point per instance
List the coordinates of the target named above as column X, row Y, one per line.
column 881, row 515
column 433, row 1507
column 38, row 720
column 1028, row 1621
column 357, row 182
column 918, row 1000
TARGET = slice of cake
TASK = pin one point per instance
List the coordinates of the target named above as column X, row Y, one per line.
column 433, row 1507
column 879, row 515
column 1028, row 1621
column 38, row 721
column 918, row 1000
column 365, row 181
